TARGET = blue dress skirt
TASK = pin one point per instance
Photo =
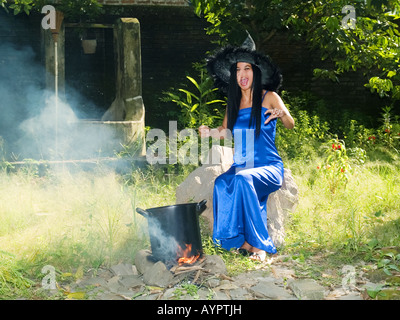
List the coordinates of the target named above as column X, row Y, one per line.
column 241, row 193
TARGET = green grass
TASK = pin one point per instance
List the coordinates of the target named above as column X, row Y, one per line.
column 71, row 221
column 88, row 219
column 367, row 208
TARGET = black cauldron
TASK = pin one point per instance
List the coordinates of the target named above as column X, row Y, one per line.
column 171, row 228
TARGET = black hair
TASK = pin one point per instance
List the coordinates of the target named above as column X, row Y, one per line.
column 235, row 95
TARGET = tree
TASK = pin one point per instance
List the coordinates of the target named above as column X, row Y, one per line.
column 362, row 36
column 74, row 10
column 19, row 5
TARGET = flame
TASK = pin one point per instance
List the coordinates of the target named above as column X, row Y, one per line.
column 184, row 255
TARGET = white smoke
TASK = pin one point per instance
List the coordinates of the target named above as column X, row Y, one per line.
column 37, row 125
column 166, row 246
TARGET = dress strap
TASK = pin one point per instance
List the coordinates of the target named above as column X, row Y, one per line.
column 264, row 96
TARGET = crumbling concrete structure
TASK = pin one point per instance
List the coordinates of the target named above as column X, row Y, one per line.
column 127, row 112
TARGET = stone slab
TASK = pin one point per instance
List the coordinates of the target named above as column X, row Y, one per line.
column 307, row 289
column 269, row 290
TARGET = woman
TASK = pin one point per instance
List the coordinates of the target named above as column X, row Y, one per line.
column 240, row 194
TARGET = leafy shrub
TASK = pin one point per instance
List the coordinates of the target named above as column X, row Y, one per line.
column 336, row 168
column 304, row 141
column 198, row 102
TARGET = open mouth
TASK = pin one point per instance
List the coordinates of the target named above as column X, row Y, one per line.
column 244, row 82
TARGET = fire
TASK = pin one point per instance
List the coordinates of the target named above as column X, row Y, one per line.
column 185, row 257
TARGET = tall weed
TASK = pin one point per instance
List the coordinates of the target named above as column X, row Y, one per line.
column 368, row 208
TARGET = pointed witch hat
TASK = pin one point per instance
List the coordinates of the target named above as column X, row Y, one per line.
column 219, row 65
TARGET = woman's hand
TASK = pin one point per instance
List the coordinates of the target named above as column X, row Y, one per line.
column 204, row 131
column 274, row 113
column 277, row 109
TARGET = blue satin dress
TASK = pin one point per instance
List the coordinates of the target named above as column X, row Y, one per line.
column 241, row 193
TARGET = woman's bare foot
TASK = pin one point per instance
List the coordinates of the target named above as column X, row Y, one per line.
column 245, row 249
column 246, row 246
column 259, row 255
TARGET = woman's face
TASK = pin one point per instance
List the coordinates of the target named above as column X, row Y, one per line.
column 244, row 75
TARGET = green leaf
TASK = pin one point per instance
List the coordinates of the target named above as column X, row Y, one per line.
column 194, row 107
column 393, row 267
column 389, row 254
column 183, row 104
column 215, row 101
column 76, row 295
column 387, row 271
column 332, row 24
column 189, row 95
column 378, row 213
column 373, row 291
column 373, row 243
column 194, row 82
column 27, row 9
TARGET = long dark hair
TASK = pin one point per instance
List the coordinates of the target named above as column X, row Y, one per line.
column 235, row 94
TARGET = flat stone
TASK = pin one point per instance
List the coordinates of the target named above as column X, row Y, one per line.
column 268, row 289
column 204, row 294
column 95, row 281
column 113, row 284
column 307, row 289
column 227, row 286
column 245, row 280
column 351, row 296
column 142, row 261
column 124, row 269
column 127, row 294
column 282, row 273
column 220, row 295
column 95, row 293
column 240, row 294
column 105, row 273
column 109, row 296
column 215, row 264
column 153, row 296
column 169, row 294
column 259, row 274
column 157, row 275
column 131, row 281
column 213, row 282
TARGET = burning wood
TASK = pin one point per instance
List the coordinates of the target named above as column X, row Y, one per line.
column 179, row 270
column 192, row 271
column 185, row 256
column 195, row 264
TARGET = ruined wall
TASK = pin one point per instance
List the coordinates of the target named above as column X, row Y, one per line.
column 172, row 39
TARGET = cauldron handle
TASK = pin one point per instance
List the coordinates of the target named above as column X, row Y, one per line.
column 143, row 212
column 201, row 206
